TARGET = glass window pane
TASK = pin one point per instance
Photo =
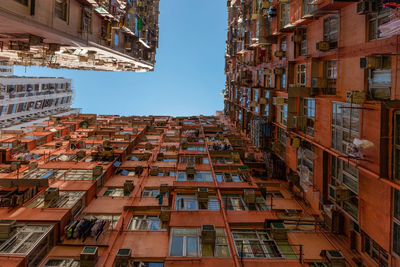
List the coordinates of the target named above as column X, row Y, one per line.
column 396, row 213
column 191, row 246
column 396, row 238
column 257, row 249
column 177, row 246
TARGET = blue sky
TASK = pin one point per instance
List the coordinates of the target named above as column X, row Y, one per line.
column 189, row 72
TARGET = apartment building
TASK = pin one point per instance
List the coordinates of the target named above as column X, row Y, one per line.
column 25, row 100
column 93, row 190
column 108, row 35
column 314, row 85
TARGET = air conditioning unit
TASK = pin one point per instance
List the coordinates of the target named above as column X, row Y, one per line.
column 295, row 142
column 249, row 196
column 128, row 186
column 366, row 7
column 279, row 71
column 154, row 170
column 97, row 171
column 299, row 122
column 263, row 101
column 51, row 193
column 88, row 257
column 278, row 101
column 279, row 54
column 35, row 40
column 371, row 62
column 253, row 104
column 15, row 143
column 81, row 154
column 164, row 188
column 278, row 231
column 338, row 193
column 323, row 46
column 123, row 257
column 7, row 229
column 160, row 156
column 165, row 214
column 319, row 82
column 58, row 144
column 202, row 194
column 334, row 257
column 208, row 234
column 54, row 47
column 190, row 170
column 33, row 165
column 356, row 97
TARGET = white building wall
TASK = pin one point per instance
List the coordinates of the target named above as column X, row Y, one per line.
column 23, row 99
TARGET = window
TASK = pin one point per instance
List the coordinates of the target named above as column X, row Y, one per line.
column 86, row 22
column 220, row 249
column 285, row 15
column 145, row 223
column 396, row 222
column 234, row 202
column 301, row 74
column 61, row 262
column 283, row 80
column 283, row 114
column 266, row 110
column 116, row 39
column 61, row 9
column 228, row 177
column 331, row 28
column 345, row 125
column 281, row 136
column 150, row 192
column 199, row 176
column 396, row 146
column 376, row 252
column 222, row 160
column 309, row 113
column 344, row 174
column 210, row 204
column 115, row 192
column 196, row 148
column 186, row 202
column 303, row 47
column 379, row 83
column 190, row 202
column 147, row 264
column 184, row 242
column 170, row 160
column 257, row 244
column 377, row 19
column 283, row 44
column 194, row 159
column 305, row 162
column 166, row 173
column 308, row 7
column 331, row 76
